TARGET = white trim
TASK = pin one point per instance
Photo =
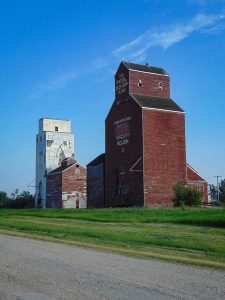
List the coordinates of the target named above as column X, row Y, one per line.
column 149, row 72
column 195, row 171
column 166, row 110
column 196, row 182
column 134, row 165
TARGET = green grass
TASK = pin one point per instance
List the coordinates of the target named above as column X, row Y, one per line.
column 192, row 216
column 191, row 235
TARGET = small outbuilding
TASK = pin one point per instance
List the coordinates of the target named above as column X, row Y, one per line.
column 66, row 185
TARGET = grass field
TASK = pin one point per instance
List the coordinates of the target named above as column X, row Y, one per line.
column 186, row 235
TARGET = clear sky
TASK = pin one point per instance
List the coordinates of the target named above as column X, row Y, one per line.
column 58, row 59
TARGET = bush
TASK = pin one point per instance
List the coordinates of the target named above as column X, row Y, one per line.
column 186, row 196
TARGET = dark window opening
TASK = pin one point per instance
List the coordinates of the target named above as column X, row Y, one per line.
column 56, row 128
column 77, row 203
column 49, row 143
column 121, row 185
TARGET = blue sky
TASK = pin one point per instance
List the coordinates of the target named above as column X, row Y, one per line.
column 58, row 59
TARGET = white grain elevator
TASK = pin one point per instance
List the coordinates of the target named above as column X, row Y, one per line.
column 54, row 142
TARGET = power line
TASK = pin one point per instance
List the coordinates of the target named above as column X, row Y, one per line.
column 30, row 184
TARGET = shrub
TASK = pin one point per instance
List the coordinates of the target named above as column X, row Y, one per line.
column 186, row 196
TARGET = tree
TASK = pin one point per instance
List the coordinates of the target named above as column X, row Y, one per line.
column 22, row 200
column 14, row 194
column 222, row 191
column 186, row 196
column 213, row 192
column 3, row 199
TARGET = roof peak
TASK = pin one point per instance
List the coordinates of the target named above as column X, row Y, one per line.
column 144, row 68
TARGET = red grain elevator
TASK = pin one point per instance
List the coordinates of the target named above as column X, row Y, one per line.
column 145, row 139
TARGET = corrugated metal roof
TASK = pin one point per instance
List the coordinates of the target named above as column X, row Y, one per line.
column 156, row 102
column 144, row 68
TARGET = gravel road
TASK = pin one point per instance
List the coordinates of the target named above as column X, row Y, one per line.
column 38, row 270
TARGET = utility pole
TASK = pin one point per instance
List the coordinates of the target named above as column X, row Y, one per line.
column 218, row 192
